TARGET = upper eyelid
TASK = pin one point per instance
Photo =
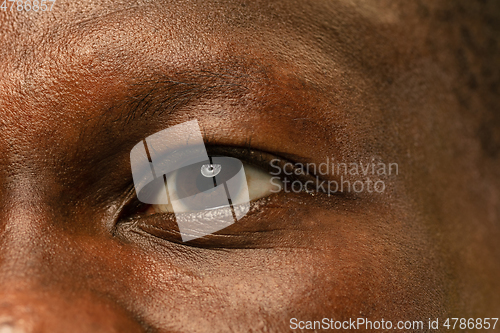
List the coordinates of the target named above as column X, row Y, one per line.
column 262, row 160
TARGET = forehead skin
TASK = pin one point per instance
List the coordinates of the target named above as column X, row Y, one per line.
column 398, row 82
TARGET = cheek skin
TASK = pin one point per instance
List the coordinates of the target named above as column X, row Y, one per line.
column 51, row 310
column 345, row 264
column 338, row 262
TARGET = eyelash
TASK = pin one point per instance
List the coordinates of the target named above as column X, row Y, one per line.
column 243, row 153
column 260, row 159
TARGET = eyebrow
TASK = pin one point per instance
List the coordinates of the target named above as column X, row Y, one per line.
column 161, row 95
column 139, row 111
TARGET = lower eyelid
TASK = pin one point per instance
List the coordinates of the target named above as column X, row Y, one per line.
column 267, row 225
column 165, row 227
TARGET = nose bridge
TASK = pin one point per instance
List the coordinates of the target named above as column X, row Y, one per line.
column 24, row 227
column 21, row 255
column 38, row 293
column 34, row 298
column 48, row 311
column 19, row 240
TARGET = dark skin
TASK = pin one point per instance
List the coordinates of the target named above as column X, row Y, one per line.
column 401, row 83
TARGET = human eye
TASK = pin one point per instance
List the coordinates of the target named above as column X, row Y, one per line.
column 189, row 189
column 194, row 187
column 197, row 197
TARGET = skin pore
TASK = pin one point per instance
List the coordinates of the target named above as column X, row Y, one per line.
column 397, row 82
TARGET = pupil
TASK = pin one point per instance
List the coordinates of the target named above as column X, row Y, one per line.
column 210, row 170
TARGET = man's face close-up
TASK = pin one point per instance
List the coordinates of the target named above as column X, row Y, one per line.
column 249, row 166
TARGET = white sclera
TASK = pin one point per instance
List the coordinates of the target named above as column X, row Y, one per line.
column 237, row 188
column 259, row 183
column 210, row 170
